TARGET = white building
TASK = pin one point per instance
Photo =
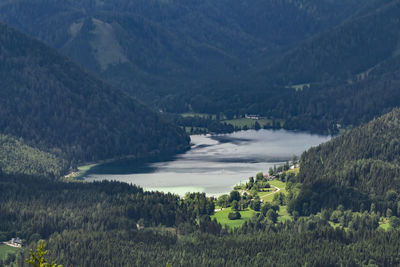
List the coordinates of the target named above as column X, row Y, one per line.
column 15, row 242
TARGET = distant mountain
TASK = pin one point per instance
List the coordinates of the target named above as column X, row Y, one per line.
column 355, row 48
column 342, row 77
column 356, row 169
column 57, row 107
column 158, row 49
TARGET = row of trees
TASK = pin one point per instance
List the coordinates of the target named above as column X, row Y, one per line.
column 258, row 243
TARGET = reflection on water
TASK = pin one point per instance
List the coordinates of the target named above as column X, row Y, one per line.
column 215, row 163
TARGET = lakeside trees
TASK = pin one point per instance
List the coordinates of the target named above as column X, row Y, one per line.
column 355, row 170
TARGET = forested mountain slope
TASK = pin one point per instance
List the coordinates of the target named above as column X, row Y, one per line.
column 154, row 49
column 356, row 169
column 16, row 157
column 334, row 105
column 57, row 107
column 344, row 76
column 355, row 48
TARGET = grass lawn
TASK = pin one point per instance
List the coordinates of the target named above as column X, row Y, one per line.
column 5, row 250
column 84, row 169
column 283, row 214
column 267, row 196
column 78, row 176
column 222, row 217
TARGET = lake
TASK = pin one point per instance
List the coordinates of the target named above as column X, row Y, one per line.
column 215, row 163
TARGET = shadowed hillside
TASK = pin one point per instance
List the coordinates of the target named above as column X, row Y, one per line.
column 57, row 107
column 354, row 170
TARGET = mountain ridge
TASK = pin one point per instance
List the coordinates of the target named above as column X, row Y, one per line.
column 58, row 107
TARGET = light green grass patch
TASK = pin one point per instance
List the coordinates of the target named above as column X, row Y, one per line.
column 283, row 214
column 281, row 185
column 384, row 224
column 78, row 175
column 268, row 196
column 334, row 225
column 5, row 250
column 83, row 170
column 86, row 168
column 222, row 217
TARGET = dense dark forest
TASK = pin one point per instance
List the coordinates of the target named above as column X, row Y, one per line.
column 116, row 224
column 308, row 63
column 341, row 77
column 355, row 47
column 158, row 49
column 16, row 157
column 355, row 170
column 57, row 107
column 316, row 65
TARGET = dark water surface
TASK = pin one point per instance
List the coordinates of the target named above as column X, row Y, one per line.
column 215, row 163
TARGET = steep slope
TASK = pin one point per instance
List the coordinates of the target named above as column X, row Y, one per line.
column 354, row 170
column 335, row 105
column 57, row 107
column 355, row 48
column 343, row 77
column 154, row 49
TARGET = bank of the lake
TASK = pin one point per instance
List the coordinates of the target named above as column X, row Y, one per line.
column 214, row 164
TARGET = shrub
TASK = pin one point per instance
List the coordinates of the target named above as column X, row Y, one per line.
column 234, row 215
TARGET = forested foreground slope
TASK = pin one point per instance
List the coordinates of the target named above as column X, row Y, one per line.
column 54, row 105
column 95, row 224
column 354, row 170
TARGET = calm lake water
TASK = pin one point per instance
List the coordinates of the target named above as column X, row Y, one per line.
column 215, row 163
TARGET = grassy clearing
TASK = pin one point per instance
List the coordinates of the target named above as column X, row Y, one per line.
column 279, row 184
column 82, row 171
column 334, row 225
column 5, row 250
column 268, row 196
column 384, row 224
column 222, row 217
column 284, row 214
